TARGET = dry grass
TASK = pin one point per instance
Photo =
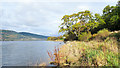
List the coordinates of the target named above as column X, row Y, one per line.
column 42, row 64
column 91, row 53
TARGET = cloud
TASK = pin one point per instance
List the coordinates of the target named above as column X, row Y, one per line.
column 40, row 17
column 30, row 17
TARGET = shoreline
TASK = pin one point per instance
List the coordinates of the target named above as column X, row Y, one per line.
column 56, row 40
column 78, row 51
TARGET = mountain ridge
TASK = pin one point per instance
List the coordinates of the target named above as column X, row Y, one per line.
column 10, row 35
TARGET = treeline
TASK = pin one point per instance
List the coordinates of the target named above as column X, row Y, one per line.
column 85, row 23
column 55, row 38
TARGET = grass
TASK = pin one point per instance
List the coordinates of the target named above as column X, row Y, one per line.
column 90, row 53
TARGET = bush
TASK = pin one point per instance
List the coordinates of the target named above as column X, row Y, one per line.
column 55, row 38
column 70, row 37
column 102, row 34
column 84, row 36
column 52, row 38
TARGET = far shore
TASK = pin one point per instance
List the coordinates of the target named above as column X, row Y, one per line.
column 55, row 40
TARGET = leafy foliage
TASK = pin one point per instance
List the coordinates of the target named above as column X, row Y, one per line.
column 111, row 15
column 102, row 34
column 84, row 36
column 55, row 38
column 75, row 24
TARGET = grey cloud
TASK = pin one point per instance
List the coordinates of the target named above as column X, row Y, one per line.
column 39, row 17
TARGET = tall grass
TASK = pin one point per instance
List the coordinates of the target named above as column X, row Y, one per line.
column 88, row 54
column 92, row 53
column 55, row 57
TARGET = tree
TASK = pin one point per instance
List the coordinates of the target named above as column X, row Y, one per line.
column 75, row 24
column 111, row 15
column 99, row 23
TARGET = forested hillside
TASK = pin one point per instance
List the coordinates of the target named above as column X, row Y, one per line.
column 9, row 35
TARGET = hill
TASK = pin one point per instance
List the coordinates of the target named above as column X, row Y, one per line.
column 32, row 35
column 9, row 35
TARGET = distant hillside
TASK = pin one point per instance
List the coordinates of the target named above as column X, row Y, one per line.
column 9, row 35
column 32, row 35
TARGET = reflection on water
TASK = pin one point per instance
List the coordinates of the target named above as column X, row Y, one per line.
column 26, row 53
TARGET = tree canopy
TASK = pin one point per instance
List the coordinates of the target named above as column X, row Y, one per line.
column 111, row 15
column 75, row 24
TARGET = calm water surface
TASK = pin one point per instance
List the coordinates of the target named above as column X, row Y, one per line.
column 0, row 53
column 26, row 53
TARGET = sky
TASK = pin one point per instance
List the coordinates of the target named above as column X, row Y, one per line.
column 44, row 16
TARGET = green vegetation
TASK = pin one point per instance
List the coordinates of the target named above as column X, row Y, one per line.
column 8, row 35
column 59, row 38
column 76, row 24
column 84, row 36
column 92, row 53
column 101, row 35
column 93, row 39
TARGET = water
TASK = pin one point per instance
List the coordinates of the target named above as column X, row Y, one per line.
column 0, row 54
column 26, row 53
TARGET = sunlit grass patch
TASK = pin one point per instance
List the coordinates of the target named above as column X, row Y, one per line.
column 93, row 53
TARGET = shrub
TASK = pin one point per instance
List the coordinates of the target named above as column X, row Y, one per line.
column 70, row 36
column 84, row 36
column 52, row 38
column 55, row 38
column 101, row 35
